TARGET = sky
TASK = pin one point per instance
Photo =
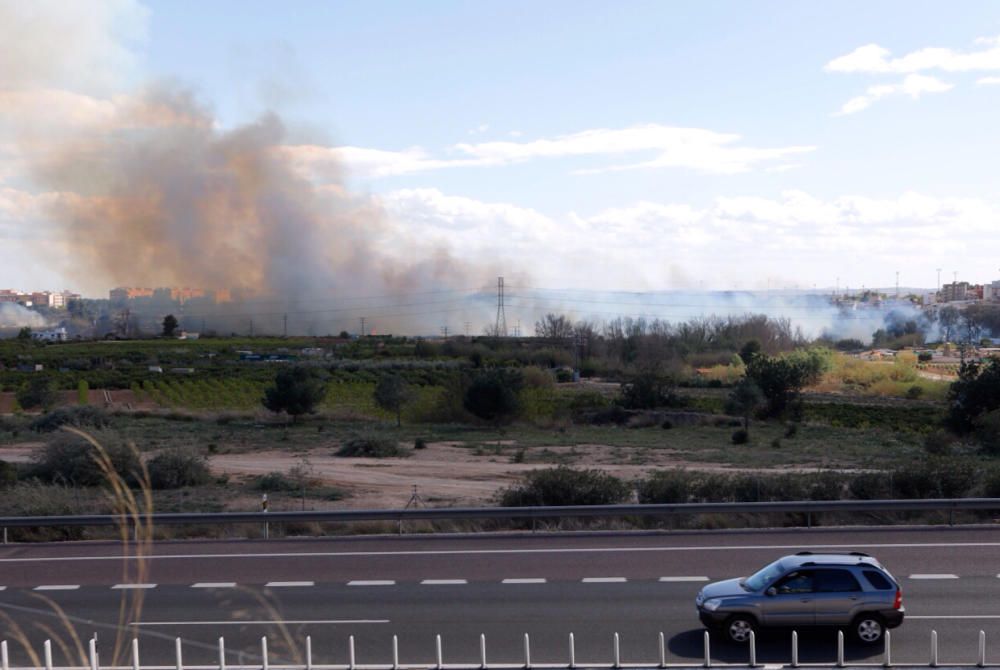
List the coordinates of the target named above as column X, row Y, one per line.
column 590, row 145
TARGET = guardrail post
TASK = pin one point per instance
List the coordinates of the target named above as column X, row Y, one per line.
column 263, row 653
column 840, row 648
column 48, row 655
column 437, row 650
column 753, row 650
column 309, row 652
column 572, row 651
column 135, row 654
column 982, row 649
column 708, row 651
column 618, row 652
column 482, row 651
column 4, row 660
column 395, row 652
column 795, row 649
column 177, row 650
column 350, row 653
column 663, row 650
column 527, row 652
column 93, row 654
column 934, row 649
column 222, row 654
column 263, row 508
column 5, row 534
column 887, row 660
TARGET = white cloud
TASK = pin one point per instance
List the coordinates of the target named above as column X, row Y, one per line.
column 649, row 244
column 988, row 81
column 875, row 59
column 913, row 85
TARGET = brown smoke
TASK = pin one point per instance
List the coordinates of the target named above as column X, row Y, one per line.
column 164, row 198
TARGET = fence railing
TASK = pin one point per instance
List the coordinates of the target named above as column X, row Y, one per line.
column 307, row 662
column 809, row 508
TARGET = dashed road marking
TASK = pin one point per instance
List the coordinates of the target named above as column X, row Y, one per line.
column 934, row 576
column 279, row 585
column 57, row 587
column 953, row 616
column 443, row 582
column 603, row 580
column 372, row 582
column 275, row 622
column 214, row 585
column 133, row 586
column 691, row 578
column 524, row 580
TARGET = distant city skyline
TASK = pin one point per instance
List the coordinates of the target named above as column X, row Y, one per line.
column 643, row 146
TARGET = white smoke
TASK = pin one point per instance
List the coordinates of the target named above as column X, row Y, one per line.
column 13, row 315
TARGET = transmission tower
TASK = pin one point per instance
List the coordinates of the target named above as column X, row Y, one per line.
column 501, row 325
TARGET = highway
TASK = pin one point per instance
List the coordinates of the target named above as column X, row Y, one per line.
column 415, row 587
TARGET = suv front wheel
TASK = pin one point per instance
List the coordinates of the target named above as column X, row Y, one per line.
column 869, row 628
column 739, row 627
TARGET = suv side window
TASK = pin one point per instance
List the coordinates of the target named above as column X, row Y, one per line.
column 877, row 580
column 835, row 581
column 800, row 581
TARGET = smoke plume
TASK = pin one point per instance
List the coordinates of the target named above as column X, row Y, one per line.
column 13, row 315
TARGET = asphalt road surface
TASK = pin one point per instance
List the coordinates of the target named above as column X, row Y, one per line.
column 416, row 587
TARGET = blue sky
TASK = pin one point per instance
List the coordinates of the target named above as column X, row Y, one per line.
column 533, row 135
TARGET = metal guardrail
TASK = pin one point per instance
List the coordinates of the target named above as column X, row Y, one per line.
column 807, row 507
column 306, row 661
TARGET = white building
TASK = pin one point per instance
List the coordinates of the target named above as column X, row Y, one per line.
column 51, row 335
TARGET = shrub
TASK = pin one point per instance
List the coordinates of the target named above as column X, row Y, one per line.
column 939, row 443
column 176, row 469
column 420, row 443
column 494, row 395
column 370, row 446
column 38, row 392
column 8, row 474
column 565, row 486
column 69, row 459
column 650, row 390
column 914, row 392
column 83, row 416
column 791, row 430
column 275, row 482
column 537, row 378
column 83, row 392
column 987, row 431
column 776, row 443
column 740, row 436
column 665, row 487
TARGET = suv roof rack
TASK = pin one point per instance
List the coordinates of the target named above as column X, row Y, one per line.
column 833, row 553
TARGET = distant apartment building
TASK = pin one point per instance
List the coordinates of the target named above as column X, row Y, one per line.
column 955, row 291
column 123, row 293
column 6, row 295
column 991, row 291
column 181, row 295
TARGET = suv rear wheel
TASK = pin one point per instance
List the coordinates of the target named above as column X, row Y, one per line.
column 869, row 628
column 739, row 627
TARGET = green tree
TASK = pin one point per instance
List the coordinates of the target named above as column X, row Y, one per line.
column 749, row 350
column 781, row 379
column 649, row 390
column 169, row 325
column 745, row 400
column 296, row 391
column 39, row 392
column 83, row 392
column 975, row 393
column 391, row 393
column 24, row 334
column 493, row 395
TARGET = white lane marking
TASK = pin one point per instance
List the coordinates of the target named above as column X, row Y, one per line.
column 934, row 576
column 372, row 582
column 279, row 585
column 57, row 587
column 3, row 588
column 134, row 586
column 276, row 622
column 486, row 552
column 213, row 585
column 443, row 582
column 684, row 579
column 603, row 580
column 524, row 580
column 953, row 616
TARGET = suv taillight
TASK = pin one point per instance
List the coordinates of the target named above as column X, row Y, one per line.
column 899, row 600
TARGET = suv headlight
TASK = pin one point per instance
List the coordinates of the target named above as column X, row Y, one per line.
column 712, row 604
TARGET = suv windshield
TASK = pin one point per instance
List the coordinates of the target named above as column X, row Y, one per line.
column 764, row 576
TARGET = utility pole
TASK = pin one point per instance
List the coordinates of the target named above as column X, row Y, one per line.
column 285, row 327
column 362, row 326
column 444, row 331
column 501, row 324
column 897, row 284
column 467, row 325
column 251, row 326
column 939, row 280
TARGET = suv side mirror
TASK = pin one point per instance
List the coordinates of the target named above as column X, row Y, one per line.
column 771, row 592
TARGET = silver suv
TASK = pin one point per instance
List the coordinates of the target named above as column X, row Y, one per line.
column 807, row 589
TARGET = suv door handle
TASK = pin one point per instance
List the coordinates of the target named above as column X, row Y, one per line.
column 852, row 598
column 806, row 600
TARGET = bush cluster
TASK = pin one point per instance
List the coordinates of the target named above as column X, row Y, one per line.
column 71, row 460
column 81, row 416
column 176, row 469
column 370, row 446
column 566, row 486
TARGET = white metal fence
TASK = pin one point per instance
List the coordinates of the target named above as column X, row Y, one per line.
column 482, row 663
